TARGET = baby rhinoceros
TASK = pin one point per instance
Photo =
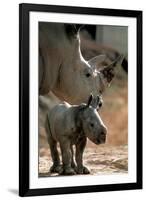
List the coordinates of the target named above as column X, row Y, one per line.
column 72, row 125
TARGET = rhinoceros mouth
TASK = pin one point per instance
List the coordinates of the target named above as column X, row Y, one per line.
column 98, row 141
column 101, row 140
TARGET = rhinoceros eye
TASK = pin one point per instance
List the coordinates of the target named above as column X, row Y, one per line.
column 88, row 75
column 100, row 104
column 92, row 125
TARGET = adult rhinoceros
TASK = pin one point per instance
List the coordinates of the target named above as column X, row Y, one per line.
column 63, row 70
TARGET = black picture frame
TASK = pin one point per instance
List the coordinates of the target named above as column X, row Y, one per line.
column 24, row 10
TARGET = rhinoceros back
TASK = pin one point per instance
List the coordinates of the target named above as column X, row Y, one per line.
column 56, row 119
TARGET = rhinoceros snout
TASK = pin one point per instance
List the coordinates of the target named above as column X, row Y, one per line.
column 102, row 135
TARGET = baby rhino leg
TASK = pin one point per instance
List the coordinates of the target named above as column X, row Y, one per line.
column 73, row 165
column 56, row 167
column 80, row 146
column 66, row 157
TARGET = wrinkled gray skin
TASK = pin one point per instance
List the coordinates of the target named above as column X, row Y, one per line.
column 63, row 70
column 72, row 125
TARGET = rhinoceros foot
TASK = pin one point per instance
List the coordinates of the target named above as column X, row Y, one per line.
column 68, row 171
column 82, row 170
column 56, row 169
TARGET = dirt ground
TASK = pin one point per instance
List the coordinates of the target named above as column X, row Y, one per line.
column 111, row 157
column 103, row 159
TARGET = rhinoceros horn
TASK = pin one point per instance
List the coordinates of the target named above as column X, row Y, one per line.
column 72, row 29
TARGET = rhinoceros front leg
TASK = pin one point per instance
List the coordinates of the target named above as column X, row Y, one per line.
column 73, row 165
column 66, row 157
column 56, row 167
column 80, row 146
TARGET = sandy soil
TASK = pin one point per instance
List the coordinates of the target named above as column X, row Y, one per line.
column 102, row 159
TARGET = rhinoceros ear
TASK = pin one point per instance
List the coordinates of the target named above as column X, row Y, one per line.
column 90, row 100
column 117, row 61
column 108, row 71
column 96, row 61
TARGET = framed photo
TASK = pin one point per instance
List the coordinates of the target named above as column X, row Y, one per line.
column 73, row 60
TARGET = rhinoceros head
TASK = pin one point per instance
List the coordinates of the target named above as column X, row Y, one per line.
column 87, row 78
column 79, row 78
column 91, row 123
